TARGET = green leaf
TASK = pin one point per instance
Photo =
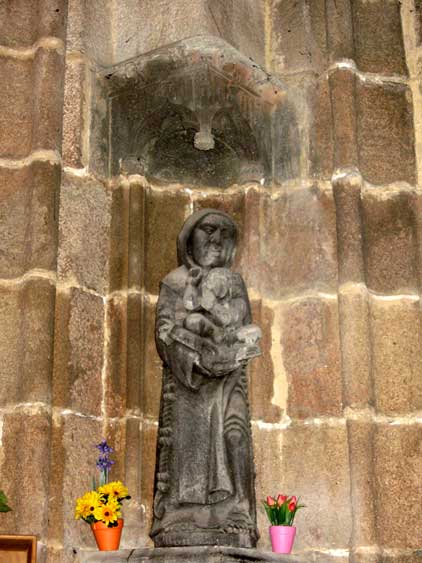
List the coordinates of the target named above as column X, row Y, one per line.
column 270, row 514
column 3, row 503
column 283, row 511
column 276, row 514
column 89, row 519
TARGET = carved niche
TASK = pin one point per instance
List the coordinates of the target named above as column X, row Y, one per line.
column 196, row 112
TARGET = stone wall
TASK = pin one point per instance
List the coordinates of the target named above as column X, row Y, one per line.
column 32, row 54
column 332, row 260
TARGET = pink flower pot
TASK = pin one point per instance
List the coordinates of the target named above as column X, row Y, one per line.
column 282, row 538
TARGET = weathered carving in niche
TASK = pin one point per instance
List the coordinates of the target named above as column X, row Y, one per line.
column 204, row 485
column 198, row 112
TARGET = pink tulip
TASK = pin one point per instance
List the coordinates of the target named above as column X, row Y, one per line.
column 281, row 499
column 270, row 501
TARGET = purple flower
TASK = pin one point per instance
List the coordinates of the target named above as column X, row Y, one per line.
column 104, row 464
column 104, row 448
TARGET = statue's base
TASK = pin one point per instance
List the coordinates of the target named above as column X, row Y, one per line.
column 205, row 538
column 215, row 554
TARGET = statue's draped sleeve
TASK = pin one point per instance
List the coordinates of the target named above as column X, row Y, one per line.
column 179, row 358
column 165, row 320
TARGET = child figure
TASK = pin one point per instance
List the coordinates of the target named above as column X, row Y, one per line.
column 217, row 312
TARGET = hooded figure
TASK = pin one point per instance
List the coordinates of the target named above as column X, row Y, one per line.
column 204, row 484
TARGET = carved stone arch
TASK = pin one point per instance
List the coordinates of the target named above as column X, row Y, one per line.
column 197, row 112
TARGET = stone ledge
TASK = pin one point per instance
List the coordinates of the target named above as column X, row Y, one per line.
column 121, row 556
column 215, row 554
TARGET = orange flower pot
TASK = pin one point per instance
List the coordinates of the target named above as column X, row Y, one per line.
column 108, row 539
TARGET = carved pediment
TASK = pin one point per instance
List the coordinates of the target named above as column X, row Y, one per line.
column 198, row 112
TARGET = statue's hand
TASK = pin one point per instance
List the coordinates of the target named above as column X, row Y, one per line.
column 249, row 334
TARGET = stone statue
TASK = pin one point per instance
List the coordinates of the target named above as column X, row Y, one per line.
column 204, row 484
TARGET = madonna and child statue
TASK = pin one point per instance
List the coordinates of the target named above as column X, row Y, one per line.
column 204, row 492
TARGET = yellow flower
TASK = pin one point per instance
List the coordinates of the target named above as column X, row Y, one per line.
column 116, row 490
column 107, row 513
column 86, row 505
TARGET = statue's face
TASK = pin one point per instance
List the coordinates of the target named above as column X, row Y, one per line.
column 212, row 241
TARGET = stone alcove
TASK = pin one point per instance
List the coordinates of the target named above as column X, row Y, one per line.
column 197, row 112
column 152, row 118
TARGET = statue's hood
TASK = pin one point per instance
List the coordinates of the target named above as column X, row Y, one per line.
column 183, row 256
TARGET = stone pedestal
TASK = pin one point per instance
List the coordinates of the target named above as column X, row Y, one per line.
column 188, row 555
